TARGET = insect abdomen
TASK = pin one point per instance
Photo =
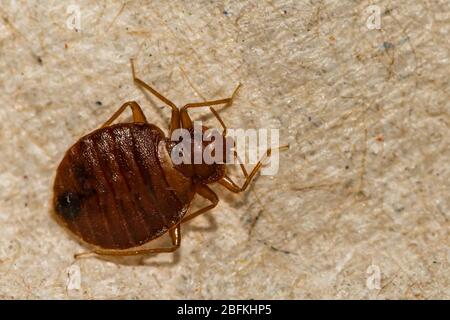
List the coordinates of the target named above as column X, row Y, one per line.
column 111, row 191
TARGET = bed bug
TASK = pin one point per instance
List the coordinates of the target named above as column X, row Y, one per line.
column 116, row 188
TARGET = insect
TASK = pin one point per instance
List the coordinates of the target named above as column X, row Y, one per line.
column 116, row 188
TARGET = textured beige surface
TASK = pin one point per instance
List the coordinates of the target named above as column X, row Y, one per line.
column 364, row 187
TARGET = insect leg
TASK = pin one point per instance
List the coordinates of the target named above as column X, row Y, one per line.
column 175, row 235
column 206, row 193
column 175, row 119
column 244, row 171
column 228, row 183
column 186, row 120
column 138, row 115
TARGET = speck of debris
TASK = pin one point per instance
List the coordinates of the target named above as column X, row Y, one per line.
column 26, row 204
column 387, row 45
column 272, row 247
column 25, row 177
column 39, row 60
column 99, row 103
column 347, row 167
column 280, row 250
column 285, row 11
column 66, row 46
column 225, row 12
column 404, row 39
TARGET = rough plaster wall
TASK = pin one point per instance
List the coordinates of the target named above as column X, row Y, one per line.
column 364, row 187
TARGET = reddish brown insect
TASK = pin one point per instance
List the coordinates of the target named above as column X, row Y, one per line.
column 116, row 188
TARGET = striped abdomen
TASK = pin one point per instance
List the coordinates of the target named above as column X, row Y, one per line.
column 112, row 191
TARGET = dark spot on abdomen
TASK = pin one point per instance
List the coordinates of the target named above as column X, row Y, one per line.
column 83, row 178
column 81, row 174
column 68, row 205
